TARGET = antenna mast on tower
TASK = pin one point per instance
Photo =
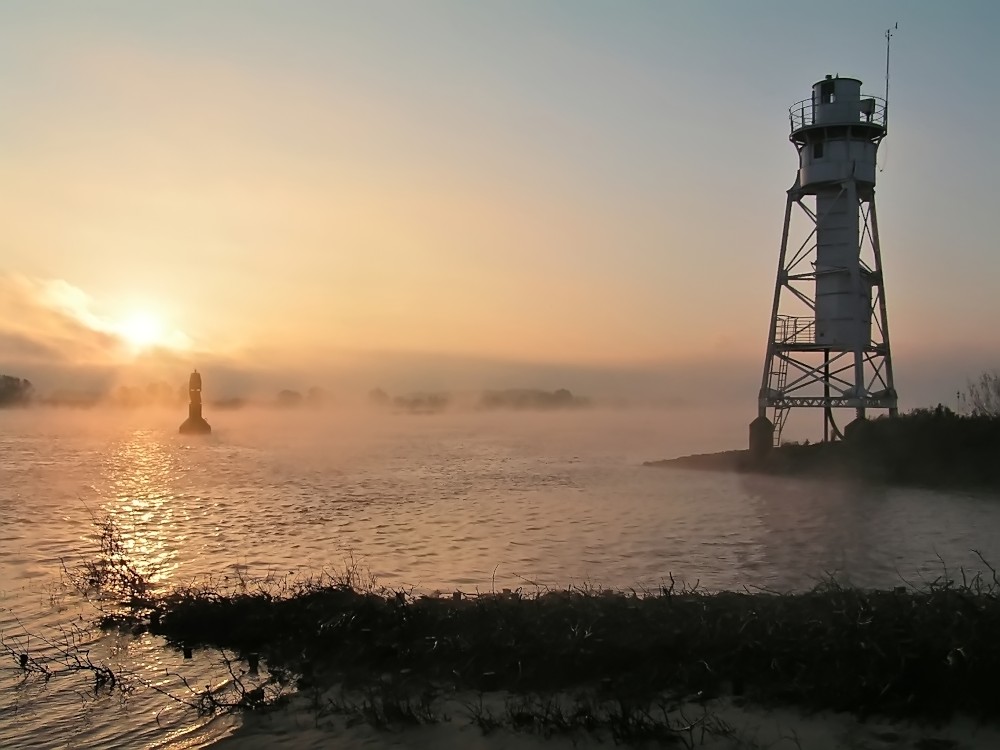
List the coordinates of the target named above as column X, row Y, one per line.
column 888, row 39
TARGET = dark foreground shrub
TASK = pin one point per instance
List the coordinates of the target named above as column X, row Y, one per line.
column 898, row 653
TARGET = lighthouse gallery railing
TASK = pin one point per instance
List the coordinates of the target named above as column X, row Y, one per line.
column 871, row 111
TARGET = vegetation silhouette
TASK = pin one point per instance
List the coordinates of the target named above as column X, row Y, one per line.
column 832, row 648
column 72, row 399
column 158, row 394
column 411, row 403
column 920, row 653
column 288, row 399
column 422, row 403
column 531, row 398
column 982, row 395
column 15, row 391
column 924, row 447
column 231, row 403
column 519, row 399
column 378, row 397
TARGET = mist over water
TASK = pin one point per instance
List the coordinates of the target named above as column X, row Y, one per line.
column 457, row 501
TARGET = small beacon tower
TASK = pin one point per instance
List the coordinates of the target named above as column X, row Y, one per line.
column 195, row 424
column 828, row 341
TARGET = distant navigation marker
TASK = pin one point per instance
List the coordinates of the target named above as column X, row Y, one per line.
column 828, row 342
column 195, row 424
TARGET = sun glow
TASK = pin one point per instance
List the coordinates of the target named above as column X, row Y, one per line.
column 142, row 331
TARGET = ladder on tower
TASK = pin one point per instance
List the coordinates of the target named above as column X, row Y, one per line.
column 778, row 378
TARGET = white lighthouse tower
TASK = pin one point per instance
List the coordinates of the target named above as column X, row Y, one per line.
column 828, row 342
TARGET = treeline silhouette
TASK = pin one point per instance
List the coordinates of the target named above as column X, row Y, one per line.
column 512, row 398
column 413, row 403
column 15, row 391
column 289, row 399
column 526, row 398
column 929, row 447
column 924, row 447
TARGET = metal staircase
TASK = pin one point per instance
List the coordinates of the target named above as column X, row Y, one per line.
column 777, row 379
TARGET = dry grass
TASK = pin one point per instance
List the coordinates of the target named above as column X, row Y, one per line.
column 913, row 653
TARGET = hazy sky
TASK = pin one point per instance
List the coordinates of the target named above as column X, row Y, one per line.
column 590, row 187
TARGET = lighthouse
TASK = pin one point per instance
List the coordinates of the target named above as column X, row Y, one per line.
column 828, row 338
column 195, row 424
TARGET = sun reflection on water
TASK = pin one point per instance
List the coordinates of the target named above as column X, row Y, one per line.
column 143, row 472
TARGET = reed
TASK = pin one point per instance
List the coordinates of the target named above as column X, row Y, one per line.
column 901, row 653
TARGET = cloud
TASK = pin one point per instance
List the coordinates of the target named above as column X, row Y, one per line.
column 21, row 347
column 48, row 321
column 50, row 334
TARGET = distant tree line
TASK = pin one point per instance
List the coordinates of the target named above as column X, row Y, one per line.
column 157, row 394
column 288, row 399
column 15, row 391
column 152, row 394
column 71, row 399
column 422, row 403
column 413, row 403
column 528, row 398
column 513, row 398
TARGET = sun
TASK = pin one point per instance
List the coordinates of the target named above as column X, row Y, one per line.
column 142, row 331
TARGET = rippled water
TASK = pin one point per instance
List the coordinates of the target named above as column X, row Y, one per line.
column 461, row 501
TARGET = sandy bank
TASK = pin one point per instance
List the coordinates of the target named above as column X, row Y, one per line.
column 718, row 725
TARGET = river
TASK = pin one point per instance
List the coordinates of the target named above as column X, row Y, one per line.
column 463, row 501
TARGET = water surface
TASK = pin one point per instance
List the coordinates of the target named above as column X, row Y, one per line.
column 439, row 503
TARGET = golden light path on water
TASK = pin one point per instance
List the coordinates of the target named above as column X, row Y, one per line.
column 139, row 469
column 458, row 501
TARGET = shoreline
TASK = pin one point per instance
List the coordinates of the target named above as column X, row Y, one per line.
column 340, row 657
column 467, row 722
column 817, row 461
column 848, row 462
column 906, row 654
column 930, row 448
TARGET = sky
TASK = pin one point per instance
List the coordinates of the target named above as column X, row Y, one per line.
column 472, row 194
